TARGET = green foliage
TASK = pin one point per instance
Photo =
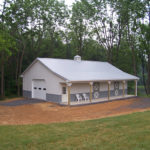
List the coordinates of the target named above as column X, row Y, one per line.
column 106, row 30
column 7, row 42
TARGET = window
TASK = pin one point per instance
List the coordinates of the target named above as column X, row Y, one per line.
column 44, row 89
column 64, row 90
column 39, row 88
column 35, row 88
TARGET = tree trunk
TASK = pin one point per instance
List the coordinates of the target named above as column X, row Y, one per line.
column 131, row 45
column 148, row 66
column 17, row 66
column 19, row 71
column 109, row 55
column 118, row 47
column 2, row 76
column 134, row 61
column 143, row 72
column 2, row 57
column 67, row 49
column 148, row 80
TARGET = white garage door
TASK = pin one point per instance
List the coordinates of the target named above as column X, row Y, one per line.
column 39, row 89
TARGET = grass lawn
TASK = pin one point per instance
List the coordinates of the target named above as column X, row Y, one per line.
column 128, row 132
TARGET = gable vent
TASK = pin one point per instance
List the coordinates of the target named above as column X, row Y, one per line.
column 77, row 58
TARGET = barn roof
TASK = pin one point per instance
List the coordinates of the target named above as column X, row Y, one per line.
column 72, row 70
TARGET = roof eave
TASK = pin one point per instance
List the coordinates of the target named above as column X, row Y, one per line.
column 85, row 81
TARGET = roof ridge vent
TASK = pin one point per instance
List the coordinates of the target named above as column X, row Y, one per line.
column 77, row 58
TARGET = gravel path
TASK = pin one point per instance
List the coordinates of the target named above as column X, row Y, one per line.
column 142, row 103
column 21, row 102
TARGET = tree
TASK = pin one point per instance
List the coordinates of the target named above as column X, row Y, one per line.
column 144, row 50
column 78, row 27
column 102, row 19
column 7, row 44
column 30, row 23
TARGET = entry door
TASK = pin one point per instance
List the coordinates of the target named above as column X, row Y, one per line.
column 64, row 94
column 39, row 89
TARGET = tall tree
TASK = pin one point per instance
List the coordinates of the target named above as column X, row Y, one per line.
column 144, row 46
column 31, row 21
column 78, row 26
column 102, row 20
column 6, row 46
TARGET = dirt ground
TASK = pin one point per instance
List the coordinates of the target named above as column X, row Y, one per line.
column 46, row 112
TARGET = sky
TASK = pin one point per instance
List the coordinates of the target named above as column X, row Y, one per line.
column 69, row 2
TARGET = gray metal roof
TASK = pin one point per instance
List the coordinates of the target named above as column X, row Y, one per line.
column 74, row 71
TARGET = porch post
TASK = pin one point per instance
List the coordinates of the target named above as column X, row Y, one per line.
column 91, row 86
column 69, row 87
column 135, row 87
column 123, row 87
column 109, row 82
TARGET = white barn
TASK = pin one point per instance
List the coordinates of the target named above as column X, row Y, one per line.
column 70, row 81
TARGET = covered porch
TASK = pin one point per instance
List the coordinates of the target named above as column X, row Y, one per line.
column 109, row 96
column 95, row 101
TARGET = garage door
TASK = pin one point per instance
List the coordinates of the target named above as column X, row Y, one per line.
column 39, row 89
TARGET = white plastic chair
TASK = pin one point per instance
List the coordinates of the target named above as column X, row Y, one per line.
column 79, row 98
column 85, row 96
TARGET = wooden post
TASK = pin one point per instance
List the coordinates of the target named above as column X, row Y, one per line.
column 135, row 87
column 91, row 84
column 69, row 87
column 123, row 87
column 109, row 82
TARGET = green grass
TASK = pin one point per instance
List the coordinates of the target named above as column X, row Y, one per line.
column 128, row 132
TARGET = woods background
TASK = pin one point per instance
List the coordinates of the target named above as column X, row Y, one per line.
column 117, row 31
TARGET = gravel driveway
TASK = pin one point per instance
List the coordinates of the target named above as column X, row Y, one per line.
column 21, row 102
column 141, row 103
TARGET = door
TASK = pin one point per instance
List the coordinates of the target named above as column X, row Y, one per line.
column 64, row 94
column 39, row 89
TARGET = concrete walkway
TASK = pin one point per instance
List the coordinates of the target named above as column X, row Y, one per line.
column 100, row 100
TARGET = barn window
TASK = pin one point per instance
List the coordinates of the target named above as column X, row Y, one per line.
column 39, row 88
column 64, row 90
column 44, row 89
column 35, row 88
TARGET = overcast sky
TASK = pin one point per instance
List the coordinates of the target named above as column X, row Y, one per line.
column 69, row 2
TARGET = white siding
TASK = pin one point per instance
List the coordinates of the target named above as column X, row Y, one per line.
column 38, row 71
column 104, row 86
column 80, row 88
